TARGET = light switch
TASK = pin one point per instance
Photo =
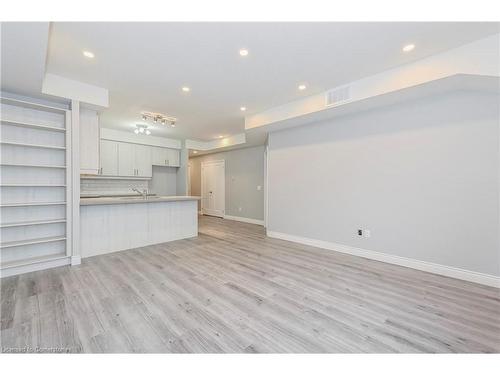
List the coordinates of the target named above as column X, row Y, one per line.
column 259, row 187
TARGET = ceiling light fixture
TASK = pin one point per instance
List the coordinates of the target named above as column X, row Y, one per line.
column 186, row 89
column 88, row 54
column 302, row 87
column 409, row 47
column 243, row 52
column 158, row 117
column 243, row 109
column 142, row 129
column 220, row 136
column 195, row 152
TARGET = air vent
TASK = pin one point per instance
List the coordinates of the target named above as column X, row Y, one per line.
column 338, row 96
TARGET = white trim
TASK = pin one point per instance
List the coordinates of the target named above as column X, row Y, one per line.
column 76, row 260
column 37, row 266
column 244, row 219
column 439, row 269
column 216, row 144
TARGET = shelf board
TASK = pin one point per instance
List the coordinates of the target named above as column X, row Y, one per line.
column 32, row 125
column 32, row 260
column 30, row 223
column 33, row 241
column 33, row 145
column 32, row 165
column 26, row 104
column 32, row 185
column 31, row 204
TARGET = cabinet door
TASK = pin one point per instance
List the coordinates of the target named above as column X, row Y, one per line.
column 173, row 158
column 89, row 142
column 143, row 165
column 109, row 158
column 159, row 156
column 126, row 159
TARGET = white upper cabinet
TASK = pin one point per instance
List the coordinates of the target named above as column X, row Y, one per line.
column 165, row 157
column 142, row 162
column 126, row 159
column 109, row 158
column 89, row 142
column 133, row 160
column 173, row 157
column 159, row 156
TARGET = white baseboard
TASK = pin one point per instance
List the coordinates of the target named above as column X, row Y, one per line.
column 76, row 260
column 439, row 269
column 244, row 219
column 43, row 265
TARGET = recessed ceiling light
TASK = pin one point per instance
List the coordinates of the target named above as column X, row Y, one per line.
column 408, row 47
column 243, row 52
column 186, row 89
column 243, row 109
column 195, row 152
column 88, row 54
column 220, row 136
column 302, row 87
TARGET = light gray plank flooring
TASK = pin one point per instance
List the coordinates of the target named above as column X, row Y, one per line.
column 232, row 289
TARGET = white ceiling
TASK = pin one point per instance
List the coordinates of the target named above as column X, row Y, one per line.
column 144, row 65
column 24, row 51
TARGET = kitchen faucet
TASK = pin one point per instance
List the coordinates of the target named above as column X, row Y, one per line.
column 144, row 193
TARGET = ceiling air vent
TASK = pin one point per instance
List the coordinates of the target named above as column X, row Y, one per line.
column 338, row 96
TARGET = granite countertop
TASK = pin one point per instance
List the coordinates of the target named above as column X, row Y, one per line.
column 135, row 199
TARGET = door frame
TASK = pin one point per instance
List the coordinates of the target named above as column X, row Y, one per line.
column 203, row 164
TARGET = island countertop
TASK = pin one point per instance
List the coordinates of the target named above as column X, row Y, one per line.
column 136, row 199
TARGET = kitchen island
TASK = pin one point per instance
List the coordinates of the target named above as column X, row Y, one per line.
column 109, row 224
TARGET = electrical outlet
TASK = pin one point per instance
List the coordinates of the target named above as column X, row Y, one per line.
column 360, row 232
column 367, row 233
column 259, row 187
column 239, row 209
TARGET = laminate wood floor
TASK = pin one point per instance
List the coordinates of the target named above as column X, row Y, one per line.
column 232, row 289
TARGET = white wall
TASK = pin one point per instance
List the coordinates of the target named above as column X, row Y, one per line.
column 423, row 177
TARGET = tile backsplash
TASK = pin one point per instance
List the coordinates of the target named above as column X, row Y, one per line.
column 103, row 186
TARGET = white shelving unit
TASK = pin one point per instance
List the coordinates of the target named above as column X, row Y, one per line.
column 35, row 186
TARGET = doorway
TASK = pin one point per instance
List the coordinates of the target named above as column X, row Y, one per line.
column 213, row 188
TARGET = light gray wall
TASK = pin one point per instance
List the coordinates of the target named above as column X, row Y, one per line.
column 244, row 172
column 423, row 177
column 164, row 181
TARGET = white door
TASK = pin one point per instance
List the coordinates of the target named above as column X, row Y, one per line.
column 143, row 167
column 109, row 158
column 213, row 188
column 126, row 159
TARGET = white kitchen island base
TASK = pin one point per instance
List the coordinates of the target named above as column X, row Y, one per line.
column 116, row 226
